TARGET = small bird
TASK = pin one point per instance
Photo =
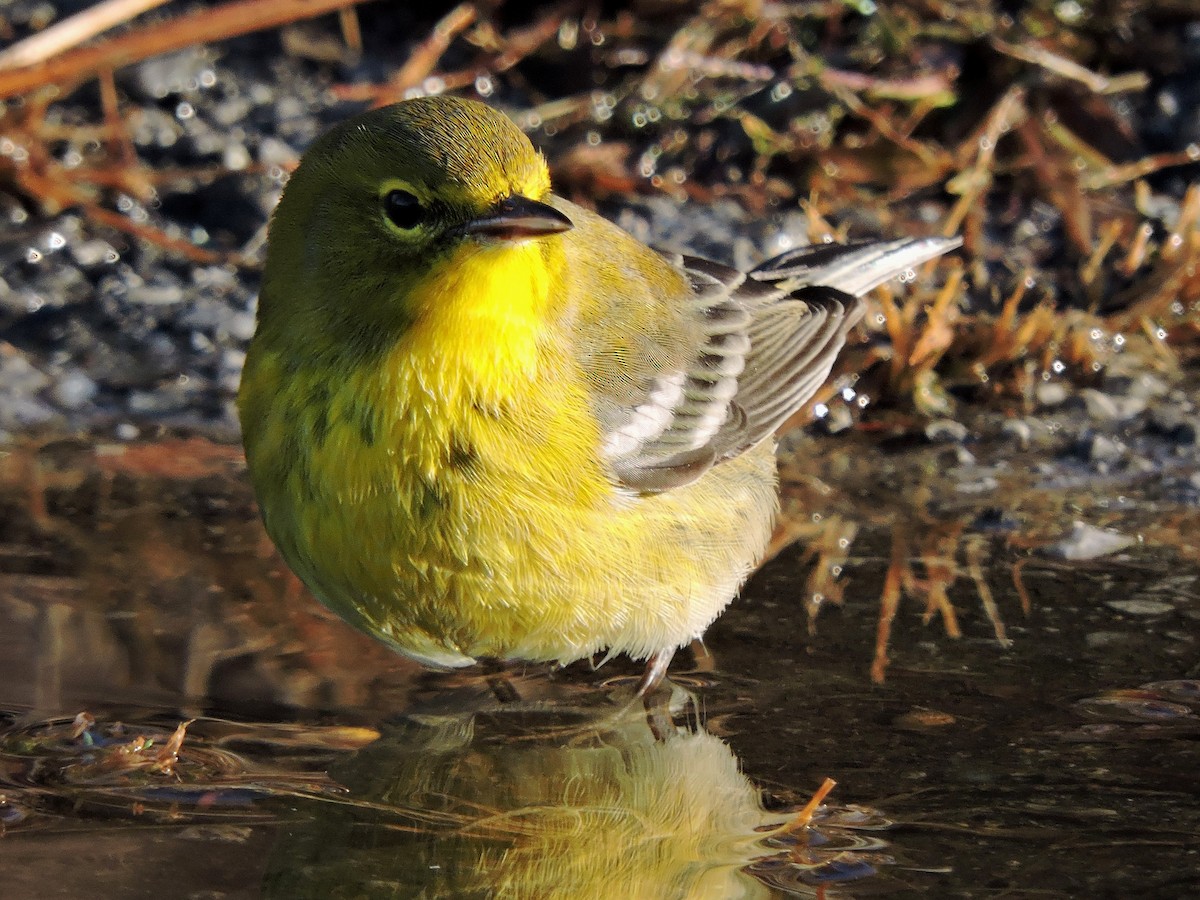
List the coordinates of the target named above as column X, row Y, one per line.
column 484, row 422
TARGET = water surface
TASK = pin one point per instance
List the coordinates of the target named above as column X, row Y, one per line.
column 1000, row 720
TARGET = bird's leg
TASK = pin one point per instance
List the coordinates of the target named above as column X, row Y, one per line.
column 656, row 668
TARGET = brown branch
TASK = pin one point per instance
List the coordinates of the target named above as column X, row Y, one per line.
column 202, row 27
column 73, row 31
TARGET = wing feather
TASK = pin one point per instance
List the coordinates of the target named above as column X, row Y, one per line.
column 744, row 351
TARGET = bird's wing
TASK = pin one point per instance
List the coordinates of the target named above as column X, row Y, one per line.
column 795, row 336
column 671, row 427
column 716, row 368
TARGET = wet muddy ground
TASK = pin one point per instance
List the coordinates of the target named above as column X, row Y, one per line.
column 138, row 593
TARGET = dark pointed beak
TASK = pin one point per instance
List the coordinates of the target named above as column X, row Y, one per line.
column 515, row 218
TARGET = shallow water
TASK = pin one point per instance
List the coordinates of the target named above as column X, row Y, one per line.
column 1050, row 749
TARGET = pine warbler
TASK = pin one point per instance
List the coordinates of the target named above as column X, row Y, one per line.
column 482, row 421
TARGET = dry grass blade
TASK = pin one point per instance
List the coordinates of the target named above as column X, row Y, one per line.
column 200, row 27
column 938, row 552
column 420, row 62
column 43, row 178
column 804, row 816
column 1068, row 68
column 72, row 31
column 889, row 601
column 973, row 548
column 1114, row 175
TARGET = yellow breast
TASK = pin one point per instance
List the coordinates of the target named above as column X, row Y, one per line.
column 397, row 487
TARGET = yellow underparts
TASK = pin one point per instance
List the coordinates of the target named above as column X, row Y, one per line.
column 448, row 497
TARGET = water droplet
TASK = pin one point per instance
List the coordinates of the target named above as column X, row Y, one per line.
column 33, row 255
column 184, row 111
column 848, row 394
column 484, row 86
column 55, row 241
column 208, row 78
column 863, row 401
column 568, row 34
column 1058, row 366
column 820, row 410
column 817, row 517
column 1119, row 340
column 1069, row 11
column 781, row 91
column 1161, row 334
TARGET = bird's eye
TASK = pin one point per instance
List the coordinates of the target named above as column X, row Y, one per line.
column 403, row 209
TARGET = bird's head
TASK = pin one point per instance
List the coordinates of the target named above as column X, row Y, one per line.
column 378, row 201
